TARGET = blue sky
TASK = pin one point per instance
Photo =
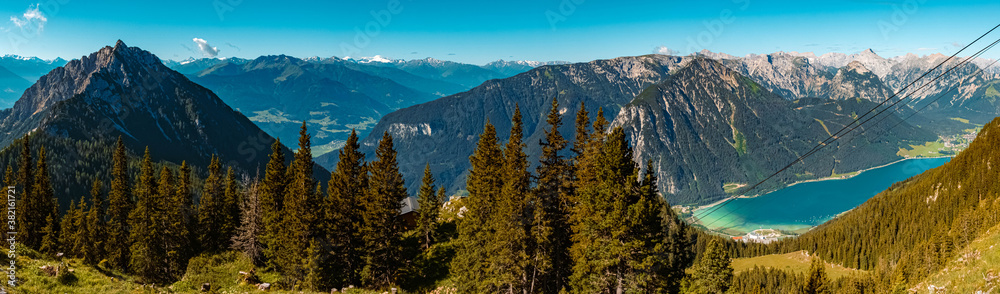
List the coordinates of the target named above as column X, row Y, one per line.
column 481, row 31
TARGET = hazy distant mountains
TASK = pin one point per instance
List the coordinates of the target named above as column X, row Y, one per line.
column 18, row 73
column 279, row 92
column 332, row 95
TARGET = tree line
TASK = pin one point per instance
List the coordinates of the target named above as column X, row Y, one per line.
column 588, row 219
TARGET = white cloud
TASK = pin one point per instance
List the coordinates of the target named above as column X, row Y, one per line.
column 664, row 50
column 31, row 19
column 205, row 48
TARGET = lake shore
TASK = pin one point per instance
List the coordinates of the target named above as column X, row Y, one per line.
column 829, row 178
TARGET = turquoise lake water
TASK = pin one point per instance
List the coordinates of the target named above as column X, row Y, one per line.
column 809, row 204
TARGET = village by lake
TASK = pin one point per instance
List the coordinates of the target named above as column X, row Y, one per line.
column 798, row 208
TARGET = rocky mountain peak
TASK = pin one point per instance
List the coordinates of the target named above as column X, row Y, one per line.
column 856, row 66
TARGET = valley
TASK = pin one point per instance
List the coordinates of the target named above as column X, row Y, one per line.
column 403, row 148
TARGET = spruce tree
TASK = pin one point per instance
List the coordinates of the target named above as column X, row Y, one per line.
column 300, row 224
column 272, row 191
column 8, row 176
column 344, row 213
column 550, row 227
column 211, row 210
column 582, row 136
column 313, row 268
column 76, row 236
column 617, row 241
column 179, row 238
column 96, row 230
column 50, row 236
column 119, row 207
column 382, row 231
column 512, row 245
column 230, row 208
column 44, row 204
column 713, row 273
column 172, row 218
column 67, row 230
column 471, row 264
column 816, row 280
column 28, row 221
column 430, row 206
column 148, row 257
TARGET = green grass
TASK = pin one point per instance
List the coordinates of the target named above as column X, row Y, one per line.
column 754, row 87
column 929, row 149
column 959, row 119
column 836, row 175
column 731, row 188
column 992, row 92
column 221, row 270
column 969, row 271
column 795, row 262
column 824, row 127
column 739, row 142
column 805, row 175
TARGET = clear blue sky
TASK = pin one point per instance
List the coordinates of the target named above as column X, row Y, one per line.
column 481, row 31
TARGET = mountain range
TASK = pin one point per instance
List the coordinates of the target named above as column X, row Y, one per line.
column 76, row 111
column 443, row 132
column 680, row 111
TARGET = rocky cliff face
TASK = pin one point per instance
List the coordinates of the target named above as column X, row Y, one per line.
column 707, row 126
column 443, row 132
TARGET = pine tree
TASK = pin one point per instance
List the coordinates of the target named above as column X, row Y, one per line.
column 550, row 227
column 300, row 223
column 713, row 273
column 313, row 268
column 248, row 235
column 471, row 264
column 617, row 241
column 512, row 245
column 382, row 232
column 67, row 230
column 582, row 136
column 78, row 235
column 44, row 205
column 172, row 211
column 96, row 231
column 230, row 208
column 211, row 210
column 148, row 257
column 430, row 206
column 119, row 208
column 272, row 191
column 8, row 176
column 179, row 239
column 50, row 238
column 344, row 211
column 816, row 280
column 29, row 223
column 677, row 238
